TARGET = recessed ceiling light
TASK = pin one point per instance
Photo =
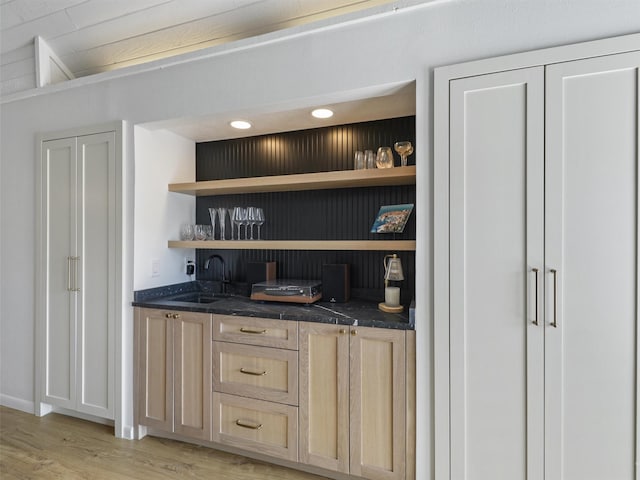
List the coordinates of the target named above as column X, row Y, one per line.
column 241, row 124
column 322, row 113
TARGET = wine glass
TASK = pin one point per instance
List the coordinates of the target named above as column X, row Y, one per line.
column 404, row 149
column 237, row 217
column 212, row 214
column 259, row 219
column 222, row 214
column 384, row 159
column 252, row 217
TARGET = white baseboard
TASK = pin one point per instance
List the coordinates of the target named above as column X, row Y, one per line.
column 17, row 403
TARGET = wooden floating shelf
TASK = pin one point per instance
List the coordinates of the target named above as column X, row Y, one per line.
column 374, row 245
column 300, row 182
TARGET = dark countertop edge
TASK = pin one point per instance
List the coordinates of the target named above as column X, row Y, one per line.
column 350, row 313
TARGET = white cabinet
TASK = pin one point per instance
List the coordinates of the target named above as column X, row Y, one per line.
column 77, row 281
column 537, row 271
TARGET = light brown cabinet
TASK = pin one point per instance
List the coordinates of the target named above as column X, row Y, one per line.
column 353, row 400
column 344, row 402
column 255, row 376
column 174, row 371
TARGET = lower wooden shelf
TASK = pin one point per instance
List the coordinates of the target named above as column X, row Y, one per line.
column 374, row 245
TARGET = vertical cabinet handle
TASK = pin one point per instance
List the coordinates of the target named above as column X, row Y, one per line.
column 72, row 278
column 69, row 288
column 75, row 274
column 554, row 272
column 535, row 318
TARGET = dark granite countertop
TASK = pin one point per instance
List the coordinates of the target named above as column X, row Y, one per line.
column 355, row 312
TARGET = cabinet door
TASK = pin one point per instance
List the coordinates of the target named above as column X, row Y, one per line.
column 59, row 197
column 495, row 242
column 377, row 403
column 192, row 370
column 592, row 244
column 324, row 396
column 155, row 368
column 95, row 275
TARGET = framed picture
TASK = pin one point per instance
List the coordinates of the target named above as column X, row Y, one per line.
column 392, row 218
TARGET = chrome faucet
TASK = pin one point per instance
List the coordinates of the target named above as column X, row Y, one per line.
column 223, row 278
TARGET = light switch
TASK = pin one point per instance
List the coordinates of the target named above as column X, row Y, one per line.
column 155, row 267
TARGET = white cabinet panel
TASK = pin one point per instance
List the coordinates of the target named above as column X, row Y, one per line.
column 96, row 272
column 59, row 163
column 78, row 249
column 536, row 322
column 496, row 160
column 591, row 227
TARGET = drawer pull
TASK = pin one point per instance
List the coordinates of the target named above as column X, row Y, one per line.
column 253, row 372
column 256, row 332
column 251, row 425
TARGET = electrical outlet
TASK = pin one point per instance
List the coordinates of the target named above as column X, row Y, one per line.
column 189, row 266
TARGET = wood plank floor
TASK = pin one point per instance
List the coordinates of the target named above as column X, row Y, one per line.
column 60, row 447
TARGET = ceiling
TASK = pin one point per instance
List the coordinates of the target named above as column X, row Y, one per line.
column 93, row 36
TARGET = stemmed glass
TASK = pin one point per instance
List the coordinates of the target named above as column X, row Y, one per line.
column 222, row 214
column 238, row 217
column 212, row 214
column 404, row 149
column 259, row 219
column 252, row 218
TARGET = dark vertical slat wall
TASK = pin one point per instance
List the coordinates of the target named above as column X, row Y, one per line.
column 339, row 214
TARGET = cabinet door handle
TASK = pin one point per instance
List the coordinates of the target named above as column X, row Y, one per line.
column 246, row 424
column 535, row 319
column 342, row 331
column 554, row 272
column 69, row 289
column 168, row 315
column 354, row 332
column 75, row 274
column 255, row 332
column 176, row 316
column 246, row 371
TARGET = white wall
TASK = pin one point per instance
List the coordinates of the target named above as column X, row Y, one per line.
column 308, row 68
column 161, row 158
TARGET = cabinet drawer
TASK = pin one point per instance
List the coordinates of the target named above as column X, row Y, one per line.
column 256, row 331
column 258, row 372
column 263, row 427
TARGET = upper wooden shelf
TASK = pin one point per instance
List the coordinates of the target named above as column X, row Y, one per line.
column 375, row 245
column 299, row 182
